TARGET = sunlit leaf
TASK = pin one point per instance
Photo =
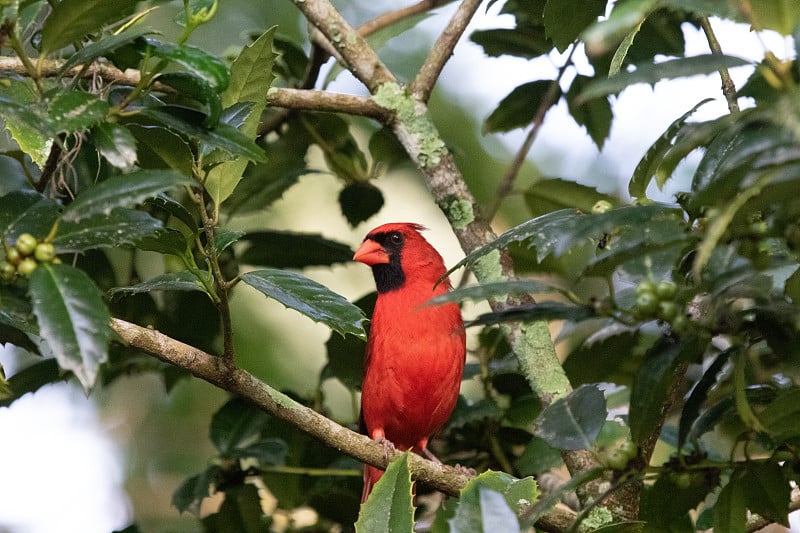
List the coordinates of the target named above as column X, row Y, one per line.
column 122, row 226
column 73, row 318
column 390, row 506
column 309, row 298
column 601, row 36
column 195, row 60
column 116, row 143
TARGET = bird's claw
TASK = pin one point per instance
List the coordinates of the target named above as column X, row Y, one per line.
column 388, row 446
column 465, row 470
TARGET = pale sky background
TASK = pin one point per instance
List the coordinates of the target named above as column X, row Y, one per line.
column 61, row 469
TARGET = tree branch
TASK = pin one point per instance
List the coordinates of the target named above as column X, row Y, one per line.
column 222, row 373
column 442, row 50
column 311, row 100
column 728, row 87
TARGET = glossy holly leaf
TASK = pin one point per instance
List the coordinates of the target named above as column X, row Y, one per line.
column 483, row 510
column 346, row 354
column 284, row 249
column 251, row 77
column 115, row 143
column 696, row 399
column 73, row 111
column 70, row 20
column 174, row 208
column 171, row 281
column 653, row 158
column 26, row 212
column 548, row 195
column 541, row 311
column 651, row 385
column 190, row 494
column 574, row 421
column 164, row 241
column 122, row 190
column 73, row 318
column 519, row 107
column 32, row 378
column 120, row 227
column 359, row 201
column 538, row 458
column 595, row 115
column 236, row 424
column 768, row 492
column 223, row 239
column 29, row 126
column 652, row 73
column 208, row 67
column 730, row 513
column 390, row 506
column 477, row 293
column 103, row 47
column 526, row 41
column 160, row 147
column 196, row 88
column 309, row 298
column 564, row 20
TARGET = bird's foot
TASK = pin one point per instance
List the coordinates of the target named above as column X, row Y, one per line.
column 388, row 446
column 429, row 455
column 465, row 470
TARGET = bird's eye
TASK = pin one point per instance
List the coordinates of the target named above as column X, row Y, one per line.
column 396, row 238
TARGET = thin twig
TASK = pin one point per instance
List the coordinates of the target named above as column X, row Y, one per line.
column 549, row 99
column 389, row 18
column 728, row 87
column 441, row 51
column 310, row 100
column 225, row 375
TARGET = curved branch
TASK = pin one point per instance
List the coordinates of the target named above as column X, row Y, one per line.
column 441, row 51
column 311, row 100
column 225, row 375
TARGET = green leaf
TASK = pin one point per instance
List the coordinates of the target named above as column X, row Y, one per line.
column 477, row 293
column 240, row 511
column 164, row 241
column 650, row 387
column 33, row 378
column 175, row 209
column 72, row 318
column 26, row 212
column 621, row 53
column 783, row 16
column 103, row 47
column 564, row 20
column 251, row 77
column 189, row 495
column 236, row 424
column 309, row 298
column 691, row 409
column 73, row 111
column 524, row 41
column 359, row 201
column 161, row 147
column 120, row 227
column 595, row 115
column 492, row 501
column 574, row 421
column 390, row 506
column 781, row 417
column 665, row 505
column 116, row 143
column 223, row 239
column 346, row 354
column 342, row 153
column 70, row 20
column 768, row 493
column 28, row 125
column 171, row 281
column 548, row 195
column 649, row 164
column 198, row 89
column 122, row 190
column 209, row 68
column 730, row 513
column 552, row 497
column 602, row 36
column 518, row 108
column 284, row 249
column 623, row 527
column 536, row 312
column 654, row 72
column 605, row 359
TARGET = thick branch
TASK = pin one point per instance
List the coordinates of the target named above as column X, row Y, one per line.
column 310, row 100
column 360, row 58
column 225, row 375
column 441, row 51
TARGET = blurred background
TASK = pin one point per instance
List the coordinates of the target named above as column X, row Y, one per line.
column 117, row 457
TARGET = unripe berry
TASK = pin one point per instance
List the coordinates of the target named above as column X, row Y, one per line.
column 646, row 304
column 27, row 266
column 646, row 286
column 7, row 271
column 13, row 256
column 666, row 289
column 667, row 311
column 44, row 252
column 26, row 244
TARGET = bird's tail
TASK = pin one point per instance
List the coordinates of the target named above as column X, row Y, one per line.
column 371, row 476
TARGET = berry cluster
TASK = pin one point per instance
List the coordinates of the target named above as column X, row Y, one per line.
column 657, row 300
column 26, row 254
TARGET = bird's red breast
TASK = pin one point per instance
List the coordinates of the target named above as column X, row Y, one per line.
column 415, row 352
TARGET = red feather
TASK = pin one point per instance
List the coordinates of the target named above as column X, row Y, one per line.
column 415, row 352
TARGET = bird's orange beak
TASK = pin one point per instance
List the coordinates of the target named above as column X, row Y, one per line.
column 371, row 253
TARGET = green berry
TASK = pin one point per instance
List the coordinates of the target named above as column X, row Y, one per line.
column 666, row 289
column 601, row 206
column 646, row 286
column 682, row 480
column 44, row 252
column 617, row 460
column 646, row 304
column 26, row 244
column 13, row 256
column 7, row 271
column 629, row 448
column 27, row 266
column 667, row 311
column 679, row 324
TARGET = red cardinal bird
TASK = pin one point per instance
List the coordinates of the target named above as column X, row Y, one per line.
column 415, row 353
